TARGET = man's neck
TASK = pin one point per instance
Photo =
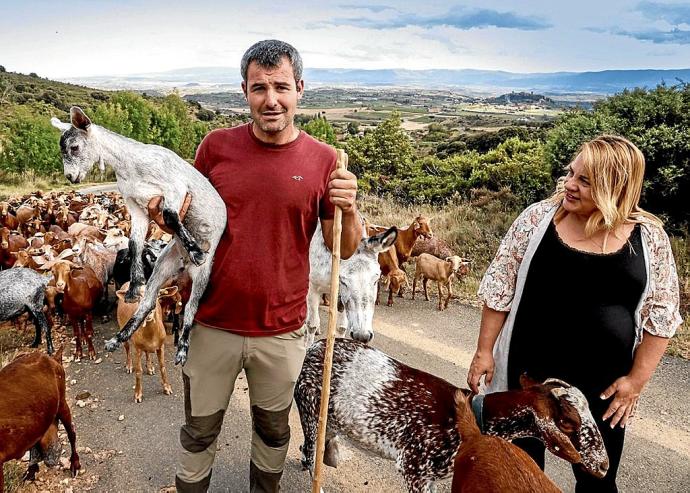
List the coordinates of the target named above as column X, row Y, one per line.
column 285, row 136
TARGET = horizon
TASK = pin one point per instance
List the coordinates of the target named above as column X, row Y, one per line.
column 133, row 37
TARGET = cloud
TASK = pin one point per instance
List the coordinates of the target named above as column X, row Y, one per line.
column 674, row 36
column 672, row 13
column 458, row 17
column 371, row 8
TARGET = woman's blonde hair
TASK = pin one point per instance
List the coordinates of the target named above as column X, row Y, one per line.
column 615, row 167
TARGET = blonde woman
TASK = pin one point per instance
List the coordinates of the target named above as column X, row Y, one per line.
column 583, row 288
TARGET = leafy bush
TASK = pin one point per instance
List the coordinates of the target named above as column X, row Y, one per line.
column 28, row 143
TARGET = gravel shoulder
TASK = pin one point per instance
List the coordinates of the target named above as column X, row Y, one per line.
column 132, row 447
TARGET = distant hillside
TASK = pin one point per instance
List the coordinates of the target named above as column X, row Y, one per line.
column 23, row 89
column 486, row 81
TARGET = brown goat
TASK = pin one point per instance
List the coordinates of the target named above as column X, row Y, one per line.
column 82, row 289
column 10, row 244
column 396, row 277
column 429, row 267
column 148, row 339
column 33, row 401
column 486, row 463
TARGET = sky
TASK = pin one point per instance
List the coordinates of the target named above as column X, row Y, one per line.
column 78, row 38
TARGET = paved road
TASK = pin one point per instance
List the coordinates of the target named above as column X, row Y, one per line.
column 657, row 453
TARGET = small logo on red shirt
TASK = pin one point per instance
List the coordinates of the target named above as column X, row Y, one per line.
column 297, row 178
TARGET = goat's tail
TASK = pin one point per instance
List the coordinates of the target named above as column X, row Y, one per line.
column 465, row 421
column 57, row 355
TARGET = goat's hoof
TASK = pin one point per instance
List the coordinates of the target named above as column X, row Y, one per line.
column 128, row 369
column 138, row 398
column 112, row 344
column 181, row 355
column 151, row 371
column 167, row 389
column 197, row 257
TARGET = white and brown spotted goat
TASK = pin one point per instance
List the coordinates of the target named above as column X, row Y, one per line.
column 409, row 416
column 144, row 173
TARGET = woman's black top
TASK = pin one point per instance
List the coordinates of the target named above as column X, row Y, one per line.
column 576, row 319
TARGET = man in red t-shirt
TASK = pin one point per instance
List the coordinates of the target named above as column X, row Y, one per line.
column 277, row 182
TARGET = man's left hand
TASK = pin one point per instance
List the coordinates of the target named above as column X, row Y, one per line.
column 342, row 190
column 627, row 393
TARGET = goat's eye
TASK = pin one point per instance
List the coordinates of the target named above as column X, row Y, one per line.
column 74, row 149
column 566, row 425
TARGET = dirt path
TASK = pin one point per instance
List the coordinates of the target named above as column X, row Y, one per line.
column 137, row 452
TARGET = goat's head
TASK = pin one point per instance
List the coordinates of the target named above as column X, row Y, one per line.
column 4, row 238
column 78, row 147
column 359, row 277
column 562, row 415
column 60, row 269
column 50, row 446
column 397, row 279
column 421, row 227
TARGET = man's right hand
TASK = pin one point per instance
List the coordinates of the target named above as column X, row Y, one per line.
column 482, row 364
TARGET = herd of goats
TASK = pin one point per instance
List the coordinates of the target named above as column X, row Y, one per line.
column 60, row 251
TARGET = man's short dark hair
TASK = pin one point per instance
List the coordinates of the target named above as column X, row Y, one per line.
column 269, row 53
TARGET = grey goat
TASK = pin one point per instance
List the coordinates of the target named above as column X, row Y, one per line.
column 145, row 172
column 23, row 291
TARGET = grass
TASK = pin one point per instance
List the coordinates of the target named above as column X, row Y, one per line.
column 14, row 471
column 680, row 343
column 474, row 228
column 16, row 184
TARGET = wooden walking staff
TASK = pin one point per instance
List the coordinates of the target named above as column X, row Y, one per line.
column 330, row 338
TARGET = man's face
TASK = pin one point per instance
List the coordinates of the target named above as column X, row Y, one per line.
column 272, row 94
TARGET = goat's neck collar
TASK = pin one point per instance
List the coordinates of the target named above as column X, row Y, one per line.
column 508, row 415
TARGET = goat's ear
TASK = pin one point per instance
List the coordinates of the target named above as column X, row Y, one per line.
column 526, row 381
column 79, row 118
column 62, row 126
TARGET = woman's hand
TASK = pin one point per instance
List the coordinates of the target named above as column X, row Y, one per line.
column 482, row 364
column 626, row 391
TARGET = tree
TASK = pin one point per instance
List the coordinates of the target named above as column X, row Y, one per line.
column 321, row 129
column 30, row 144
column 380, row 155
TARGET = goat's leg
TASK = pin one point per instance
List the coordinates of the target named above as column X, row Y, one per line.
column 37, row 328
column 440, row 295
column 138, row 394
column 65, row 417
column 128, row 364
column 140, row 224
column 150, row 370
column 176, row 326
column 42, row 325
column 88, row 332
column 200, row 275
column 172, row 221
column 414, row 285
column 160, row 353
column 309, row 421
column 76, row 326
column 168, row 263
column 390, row 295
column 425, row 281
column 445, row 305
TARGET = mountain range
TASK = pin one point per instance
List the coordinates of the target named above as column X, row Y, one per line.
column 202, row 79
